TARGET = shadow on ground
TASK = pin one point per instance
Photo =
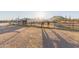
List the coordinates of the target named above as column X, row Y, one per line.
column 47, row 43
column 52, row 43
column 55, row 27
column 39, row 26
column 7, row 29
column 63, row 43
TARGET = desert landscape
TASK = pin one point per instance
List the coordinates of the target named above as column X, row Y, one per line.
column 12, row 36
column 39, row 29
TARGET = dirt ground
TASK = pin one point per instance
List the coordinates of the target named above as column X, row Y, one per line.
column 73, row 34
column 21, row 37
column 33, row 37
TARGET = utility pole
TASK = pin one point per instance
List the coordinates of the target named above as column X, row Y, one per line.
column 73, row 24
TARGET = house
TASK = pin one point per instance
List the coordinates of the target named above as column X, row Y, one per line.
column 22, row 21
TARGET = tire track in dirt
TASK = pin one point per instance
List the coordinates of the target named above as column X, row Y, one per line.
column 47, row 43
column 11, row 39
column 67, row 40
column 29, row 37
column 54, row 40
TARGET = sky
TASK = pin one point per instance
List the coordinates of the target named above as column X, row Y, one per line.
column 37, row 14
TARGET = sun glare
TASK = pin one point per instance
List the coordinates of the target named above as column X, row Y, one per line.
column 40, row 15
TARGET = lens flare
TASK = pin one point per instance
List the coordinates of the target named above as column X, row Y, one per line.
column 40, row 15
